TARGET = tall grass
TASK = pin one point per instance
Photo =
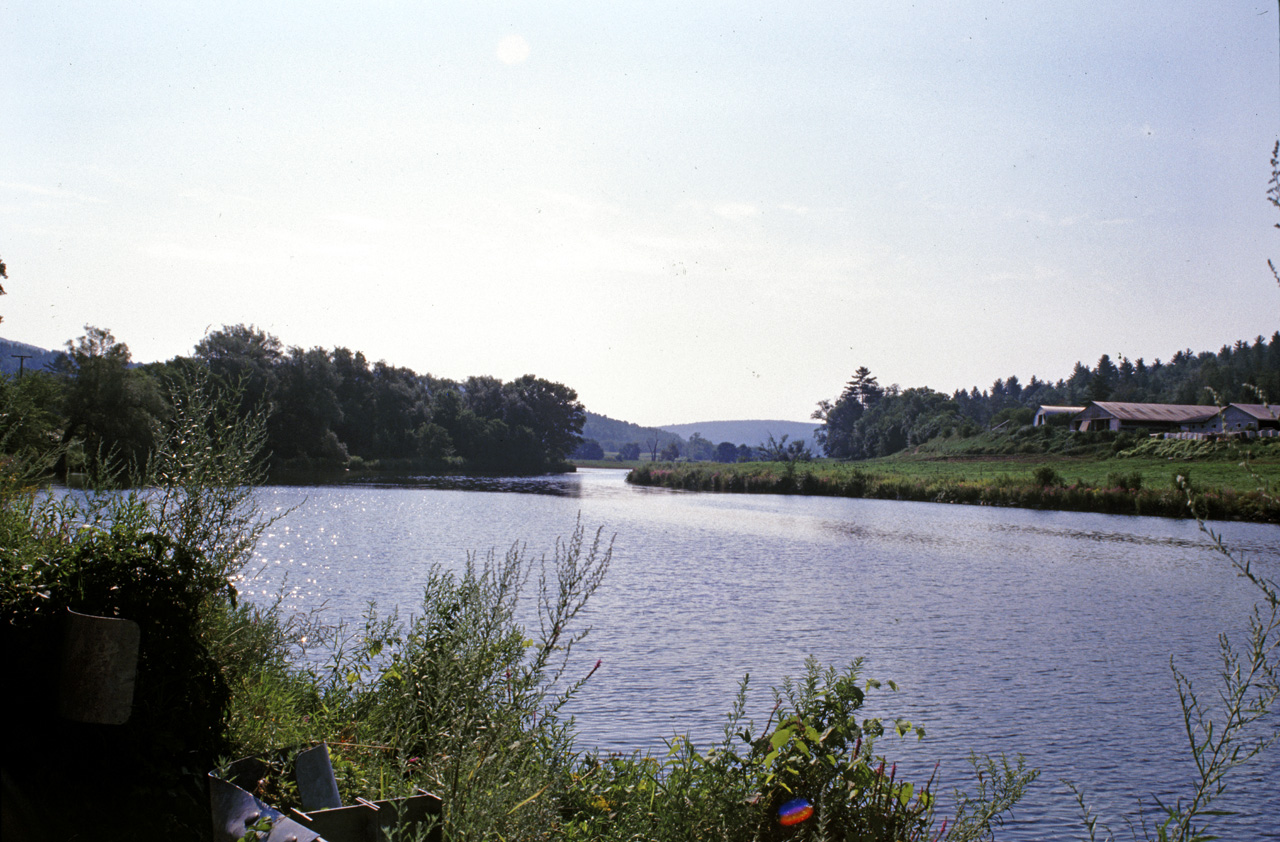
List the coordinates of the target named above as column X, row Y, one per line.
column 1118, row 492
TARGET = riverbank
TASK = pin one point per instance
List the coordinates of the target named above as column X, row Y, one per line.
column 1140, row 485
column 390, row 470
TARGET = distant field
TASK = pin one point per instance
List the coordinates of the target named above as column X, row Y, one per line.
column 1142, row 485
column 1218, row 474
column 608, row 463
column 1215, row 473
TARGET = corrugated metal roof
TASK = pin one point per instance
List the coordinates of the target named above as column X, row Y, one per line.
column 1261, row 411
column 1168, row 413
column 1047, row 408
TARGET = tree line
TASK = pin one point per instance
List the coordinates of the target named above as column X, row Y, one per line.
column 323, row 408
column 867, row 420
column 662, row 446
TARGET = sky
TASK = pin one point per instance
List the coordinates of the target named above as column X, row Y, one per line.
column 686, row 211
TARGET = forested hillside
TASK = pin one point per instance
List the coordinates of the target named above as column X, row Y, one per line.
column 752, row 433
column 614, row 436
column 18, row 357
column 326, row 409
column 867, row 419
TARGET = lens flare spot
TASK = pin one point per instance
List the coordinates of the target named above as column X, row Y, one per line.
column 794, row 811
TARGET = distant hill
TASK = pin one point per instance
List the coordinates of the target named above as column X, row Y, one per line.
column 752, row 433
column 612, row 434
column 40, row 358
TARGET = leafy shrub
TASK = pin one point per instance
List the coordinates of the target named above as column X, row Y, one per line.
column 159, row 555
column 1047, row 476
column 1131, row 481
column 464, row 700
column 813, row 747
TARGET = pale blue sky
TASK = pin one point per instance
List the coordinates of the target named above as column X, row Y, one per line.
column 686, row 211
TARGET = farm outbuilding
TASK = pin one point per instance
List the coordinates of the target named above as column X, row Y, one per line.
column 1237, row 417
column 1154, row 417
column 1044, row 413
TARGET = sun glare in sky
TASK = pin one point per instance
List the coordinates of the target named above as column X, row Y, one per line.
column 513, row 49
column 684, row 211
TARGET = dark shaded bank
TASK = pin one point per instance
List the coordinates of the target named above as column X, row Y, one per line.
column 407, row 473
column 1033, row 492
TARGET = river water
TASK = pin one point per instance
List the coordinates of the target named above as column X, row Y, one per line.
column 1042, row 633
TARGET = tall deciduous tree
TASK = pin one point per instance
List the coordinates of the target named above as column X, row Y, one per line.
column 246, row 361
column 551, row 411
column 110, row 407
column 308, row 408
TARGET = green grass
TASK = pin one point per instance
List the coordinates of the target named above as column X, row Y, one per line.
column 1214, row 465
column 1130, row 481
column 1220, row 475
column 609, row 463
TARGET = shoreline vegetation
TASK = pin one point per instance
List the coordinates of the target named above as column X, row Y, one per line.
column 1140, row 482
column 458, row 698
column 320, row 473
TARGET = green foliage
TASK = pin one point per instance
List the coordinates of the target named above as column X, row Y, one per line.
column 1047, row 475
column 589, row 449
column 614, row 435
column 1000, row 785
column 322, row 409
column 111, row 407
column 460, row 699
column 778, row 450
column 160, row 555
column 885, row 421
column 813, row 747
column 1125, row 481
column 30, row 414
column 867, row 421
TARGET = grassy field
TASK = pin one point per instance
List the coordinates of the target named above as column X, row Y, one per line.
column 609, row 463
column 1140, row 480
column 1217, row 475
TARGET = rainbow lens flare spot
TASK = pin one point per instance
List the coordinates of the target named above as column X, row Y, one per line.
column 794, row 811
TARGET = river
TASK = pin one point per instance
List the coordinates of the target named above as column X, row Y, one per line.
column 1042, row 633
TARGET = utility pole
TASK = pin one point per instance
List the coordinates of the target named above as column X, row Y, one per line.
column 22, row 363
